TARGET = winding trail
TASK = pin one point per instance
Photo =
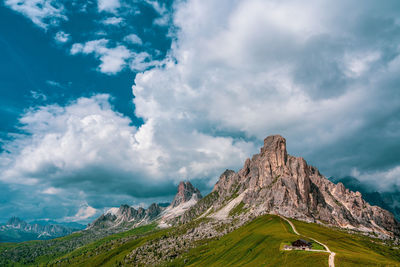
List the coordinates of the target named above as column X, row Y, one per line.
column 331, row 261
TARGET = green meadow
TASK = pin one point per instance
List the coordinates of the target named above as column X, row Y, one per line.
column 351, row 249
column 258, row 243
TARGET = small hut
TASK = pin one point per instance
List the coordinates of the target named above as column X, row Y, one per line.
column 301, row 244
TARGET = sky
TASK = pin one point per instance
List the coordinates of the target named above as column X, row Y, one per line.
column 106, row 102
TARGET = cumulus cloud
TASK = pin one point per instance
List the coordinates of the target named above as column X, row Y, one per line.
column 115, row 21
column 88, row 147
column 83, row 213
column 133, row 39
column 108, row 5
column 381, row 180
column 164, row 15
column 237, row 72
column 62, row 37
column 114, row 59
column 41, row 12
column 247, row 69
column 38, row 95
column 52, row 191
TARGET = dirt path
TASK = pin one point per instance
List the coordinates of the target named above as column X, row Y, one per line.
column 331, row 260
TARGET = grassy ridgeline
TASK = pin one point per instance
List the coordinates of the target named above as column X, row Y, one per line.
column 257, row 243
column 351, row 249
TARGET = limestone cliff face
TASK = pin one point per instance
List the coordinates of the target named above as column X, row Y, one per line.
column 126, row 217
column 275, row 182
column 186, row 191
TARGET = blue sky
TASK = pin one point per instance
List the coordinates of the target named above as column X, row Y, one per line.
column 107, row 102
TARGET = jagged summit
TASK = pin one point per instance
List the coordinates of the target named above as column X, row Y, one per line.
column 186, row 191
column 15, row 221
column 186, row 197
column 275, row 182
column 126, row 217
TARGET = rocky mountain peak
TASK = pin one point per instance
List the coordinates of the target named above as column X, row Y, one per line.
column 153, row 211
column 274, row 150
column 126, row 217
column 275, row 182
column 15, row 221
column 186, row 191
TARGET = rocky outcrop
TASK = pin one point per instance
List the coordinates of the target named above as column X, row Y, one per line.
column 186, row 197
column 186, row 191
column 275, row 182
column 389, row 200
column 126, row 217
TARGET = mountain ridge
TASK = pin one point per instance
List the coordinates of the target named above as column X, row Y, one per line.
column 127, row 217
column 17, row 230
column 240, row 206
column 388, row 200
column 273, row 181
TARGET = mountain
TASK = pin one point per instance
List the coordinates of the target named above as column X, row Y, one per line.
column 17, row 230
column 126, row 217
column 246, row 220
column 186, row 197
column 387, row 200
column 275, row 182
column 186, row 192
column 73, row 225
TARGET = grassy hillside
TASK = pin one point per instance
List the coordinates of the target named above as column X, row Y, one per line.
column 351, row 249
column 33, row 253
column 111, row 250
column 257, row 243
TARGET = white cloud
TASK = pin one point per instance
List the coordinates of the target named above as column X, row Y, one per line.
column 115, row 21
column 246, row 69
column 88, row 146
column 84, row 212
column 113, row 60
column 386, row 180
column 133, row 39
column 142, row 61
column 161, row 9
column 62, row 37
column 38, row 95
column 58, row 84
column 41, row 12
column 359, row 63
column 52, row 191
column 237, row 72
column 108, row 5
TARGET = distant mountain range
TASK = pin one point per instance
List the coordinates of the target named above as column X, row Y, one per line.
column 387, row 200
column 126, row 217
column 17, row 230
